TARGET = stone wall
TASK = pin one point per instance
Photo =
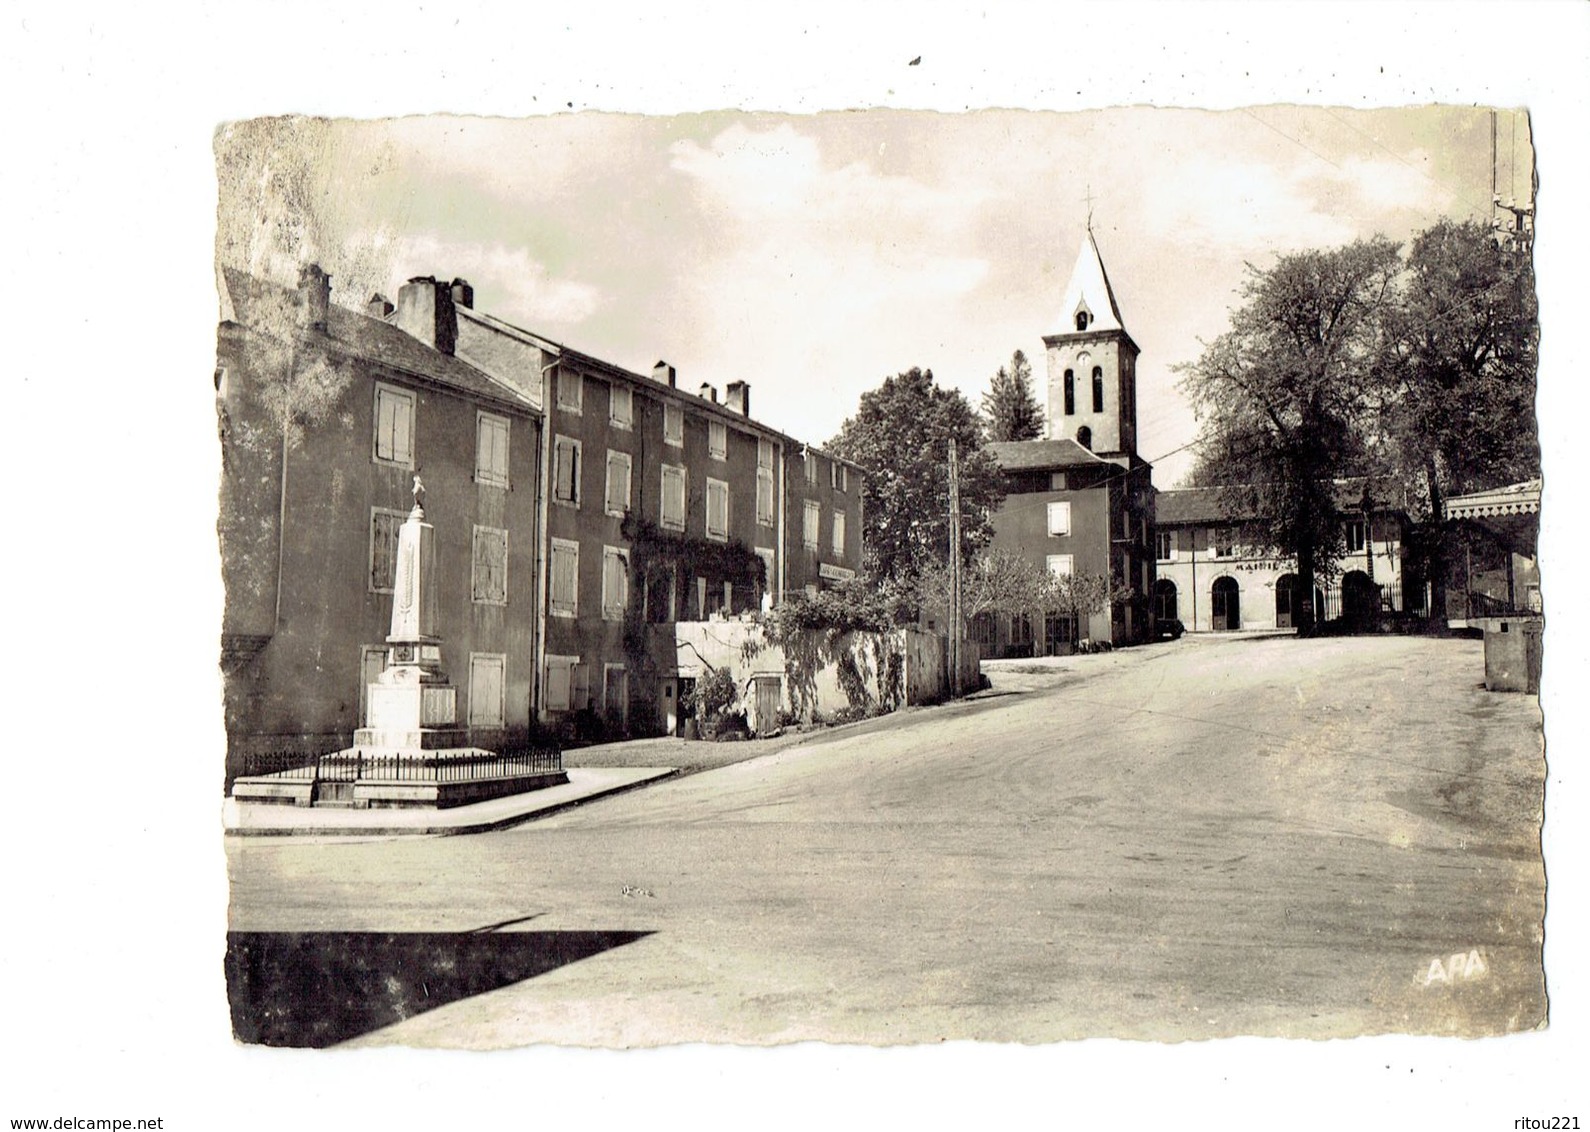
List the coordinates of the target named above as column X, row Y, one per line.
column 819, row 677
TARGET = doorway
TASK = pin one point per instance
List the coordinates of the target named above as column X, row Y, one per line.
column 1225, row 605
column 1288, row 602
column 1164, row 601
column 768, row 695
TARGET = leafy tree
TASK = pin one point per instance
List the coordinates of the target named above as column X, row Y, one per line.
column 998, row 581
column 1011, row 410
column 900, row 437
column 994, row 581
column 1286, row 392
column 1461, row 360
column 1080, row 596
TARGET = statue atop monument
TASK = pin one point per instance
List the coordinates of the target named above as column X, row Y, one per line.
column 419, row 497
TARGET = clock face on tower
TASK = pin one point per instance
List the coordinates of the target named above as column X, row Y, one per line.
column 1084, row 358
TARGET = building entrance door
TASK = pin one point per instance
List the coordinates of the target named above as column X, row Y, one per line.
column 1165, row 600
column 1224, row 603
column 767, row 702
column 1288, row 602
column 615, row 699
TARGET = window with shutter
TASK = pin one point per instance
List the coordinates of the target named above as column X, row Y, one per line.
column 764, row 497
column 565, row 597
column 839, row 532
column 764, row 483
column 384, row 526
column 489, row 575
column 615, row 583
column 673, row 424
column 619, row 465
column 486, row 671
column 571, row 391
column 621, row 406
column 717, row 509
column 1059, row 519
column 559, row 682
column 491, row 450
column 673, row 498
column 717, row 440
column 769, row 568
column 394, row 426
column 809, row 524
column 566, row 471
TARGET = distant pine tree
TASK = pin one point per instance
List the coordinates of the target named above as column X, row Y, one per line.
column 1010, row 411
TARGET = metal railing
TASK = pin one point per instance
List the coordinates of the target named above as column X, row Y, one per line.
column 422, row 766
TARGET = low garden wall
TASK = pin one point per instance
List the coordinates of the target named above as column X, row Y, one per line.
column 822, row 675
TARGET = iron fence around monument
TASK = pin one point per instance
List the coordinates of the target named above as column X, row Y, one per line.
column 362, row 766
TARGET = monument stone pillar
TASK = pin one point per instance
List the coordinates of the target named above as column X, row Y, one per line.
column 412, row 705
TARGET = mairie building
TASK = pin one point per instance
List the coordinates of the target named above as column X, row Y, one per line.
column 1211, row 579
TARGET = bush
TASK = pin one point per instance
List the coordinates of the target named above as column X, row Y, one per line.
column 713, row 698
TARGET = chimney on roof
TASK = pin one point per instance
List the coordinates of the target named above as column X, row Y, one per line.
column 709, row 392
column 314, row 296
column 378, row 306
column 737, row 396
column 425, row 311
column 664, row 373
column 463, row 295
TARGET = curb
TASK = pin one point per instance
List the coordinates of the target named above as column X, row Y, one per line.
column 452, row 828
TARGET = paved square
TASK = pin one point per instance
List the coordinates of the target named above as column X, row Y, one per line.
column 1210, row 837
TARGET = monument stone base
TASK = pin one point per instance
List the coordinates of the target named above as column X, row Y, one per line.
column 388, row 778
column 411, row 753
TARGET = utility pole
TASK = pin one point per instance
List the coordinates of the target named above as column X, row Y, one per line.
column 955, row 571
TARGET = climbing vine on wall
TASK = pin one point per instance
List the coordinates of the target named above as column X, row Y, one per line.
column 654, row 551
column 816, row 630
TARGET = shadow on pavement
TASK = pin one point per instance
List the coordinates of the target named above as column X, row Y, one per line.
column 315, row 989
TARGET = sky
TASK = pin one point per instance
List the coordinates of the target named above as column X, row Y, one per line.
column 813, row 255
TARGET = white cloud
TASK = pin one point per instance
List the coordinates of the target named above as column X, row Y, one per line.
column 1390, row 184
column 826, row 250
column 1231, row 204
column 507, row 280
column 1250, row 205
column 504, row 157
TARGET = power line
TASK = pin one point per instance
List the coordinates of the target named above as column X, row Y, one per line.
column 1460, row 195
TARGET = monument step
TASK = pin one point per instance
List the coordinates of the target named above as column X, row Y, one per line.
column 388, row 740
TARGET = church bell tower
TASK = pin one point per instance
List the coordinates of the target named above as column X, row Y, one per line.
column 1092, row 396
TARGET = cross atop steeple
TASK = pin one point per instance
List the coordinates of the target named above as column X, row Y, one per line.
column 1088, row 200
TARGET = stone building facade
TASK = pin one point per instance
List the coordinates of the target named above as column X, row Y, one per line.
column 662, row 505
column 326, row 415
column 580, row 510
column 1209, row 579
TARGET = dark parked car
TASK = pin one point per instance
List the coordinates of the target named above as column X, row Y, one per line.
column 1172, row 629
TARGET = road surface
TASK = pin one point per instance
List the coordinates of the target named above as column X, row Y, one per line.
column 1194, row 839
